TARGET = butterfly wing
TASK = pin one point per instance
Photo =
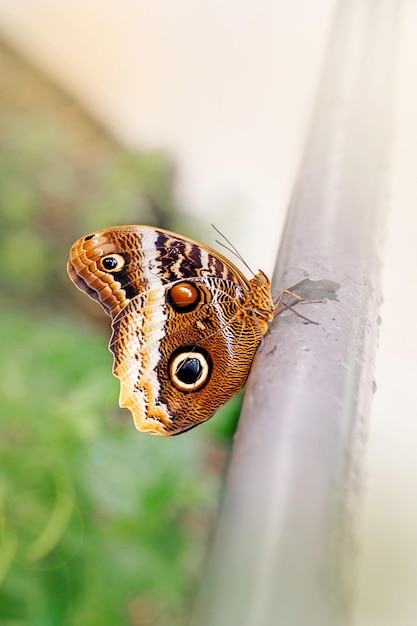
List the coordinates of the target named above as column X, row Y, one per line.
column 183, row 340
column 143, row 259
column 178, row 367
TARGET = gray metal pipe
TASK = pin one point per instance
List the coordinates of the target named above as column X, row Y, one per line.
column 285, row 537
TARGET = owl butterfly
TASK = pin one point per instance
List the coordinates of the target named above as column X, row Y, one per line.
column 186, row 322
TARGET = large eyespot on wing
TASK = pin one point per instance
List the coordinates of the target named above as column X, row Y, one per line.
column 190, row 368
column 177, row 368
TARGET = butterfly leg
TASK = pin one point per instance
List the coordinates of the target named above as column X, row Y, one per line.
column 280, row 305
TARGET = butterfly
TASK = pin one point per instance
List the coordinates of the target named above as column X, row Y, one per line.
column 186, row 322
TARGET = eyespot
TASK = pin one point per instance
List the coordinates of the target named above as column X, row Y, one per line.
column 184, row 297
column 190, row 368
column 112, row 263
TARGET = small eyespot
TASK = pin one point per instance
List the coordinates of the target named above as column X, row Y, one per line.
column 112, row 263
column 190, row 369
column 184, row 297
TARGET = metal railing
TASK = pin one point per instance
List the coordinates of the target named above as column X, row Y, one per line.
column 282, row 551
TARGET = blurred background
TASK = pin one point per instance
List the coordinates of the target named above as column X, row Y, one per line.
column 177, row 114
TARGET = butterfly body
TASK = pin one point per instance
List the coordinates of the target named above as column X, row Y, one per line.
column 186, row 323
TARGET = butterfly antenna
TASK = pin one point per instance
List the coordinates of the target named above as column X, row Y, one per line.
column 232, row 249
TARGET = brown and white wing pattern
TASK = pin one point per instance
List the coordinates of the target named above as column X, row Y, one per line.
column 186, row 323
column 114, row 265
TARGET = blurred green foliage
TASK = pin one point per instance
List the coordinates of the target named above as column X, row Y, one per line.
column 62, row 176
column 98, row 524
